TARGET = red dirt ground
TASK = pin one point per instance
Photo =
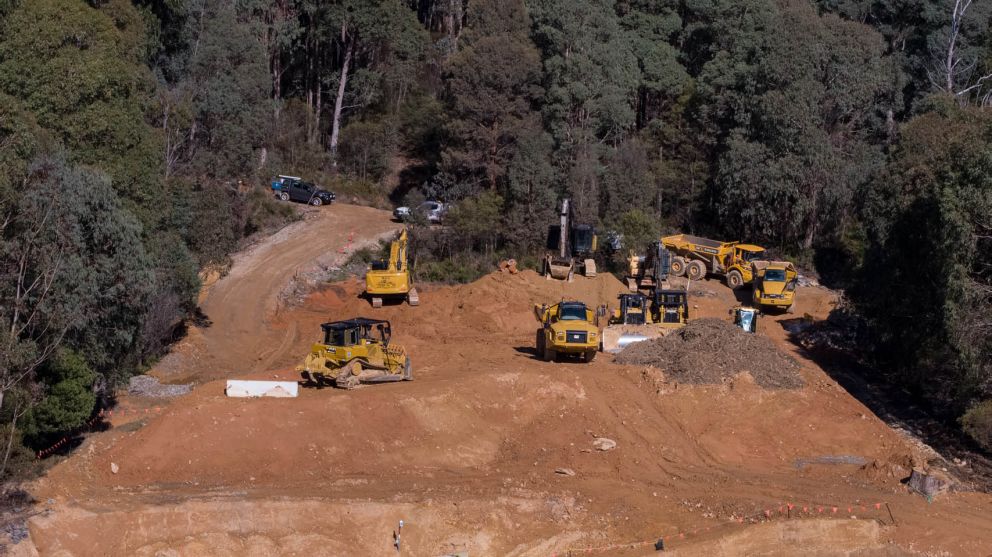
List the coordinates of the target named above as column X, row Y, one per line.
column 466, row 453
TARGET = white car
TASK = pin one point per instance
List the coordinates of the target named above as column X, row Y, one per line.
column 432, row 210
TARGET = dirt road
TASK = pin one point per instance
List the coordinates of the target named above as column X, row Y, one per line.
column 242, row 306
column 489, row 451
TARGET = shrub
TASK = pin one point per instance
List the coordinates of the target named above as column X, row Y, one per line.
column 977, row 422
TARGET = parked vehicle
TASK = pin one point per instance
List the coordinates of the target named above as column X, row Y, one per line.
column 433, row 211
column 294, row 188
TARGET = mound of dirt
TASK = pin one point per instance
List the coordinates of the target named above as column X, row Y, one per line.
column 709, row 351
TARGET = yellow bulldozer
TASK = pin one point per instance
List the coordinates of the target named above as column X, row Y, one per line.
column 568, row 327
column 391, row 278
column 634, row 320
column 353, row 352
column 774, row 284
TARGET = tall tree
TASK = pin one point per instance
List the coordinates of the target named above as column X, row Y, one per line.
column 493, row 86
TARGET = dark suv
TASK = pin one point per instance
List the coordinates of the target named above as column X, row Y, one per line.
column 294, row 188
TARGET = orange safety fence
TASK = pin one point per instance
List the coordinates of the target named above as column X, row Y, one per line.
column 104, row 413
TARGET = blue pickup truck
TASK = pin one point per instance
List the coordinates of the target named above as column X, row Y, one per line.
column 293, row 188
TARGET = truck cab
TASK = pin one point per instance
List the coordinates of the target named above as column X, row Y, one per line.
column 568, row 327
column 774, row 284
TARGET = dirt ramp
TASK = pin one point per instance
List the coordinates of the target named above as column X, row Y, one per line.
column 817, row 538
column 710, row 351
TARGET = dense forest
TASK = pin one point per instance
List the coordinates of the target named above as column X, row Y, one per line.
column 137, row 136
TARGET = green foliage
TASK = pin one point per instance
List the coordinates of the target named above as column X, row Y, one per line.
column 639, row 230
column 977, row 422
column 366, row 148
column 68, row 399
column 79, row 70
column 924, row 284
column 477, row 219
column 493, row 85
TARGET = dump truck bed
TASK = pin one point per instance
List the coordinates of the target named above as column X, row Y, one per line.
column 695, row 243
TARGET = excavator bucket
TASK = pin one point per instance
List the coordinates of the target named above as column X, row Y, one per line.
column 559, row 269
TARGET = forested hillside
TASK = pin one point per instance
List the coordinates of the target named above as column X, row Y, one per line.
column 137, row 137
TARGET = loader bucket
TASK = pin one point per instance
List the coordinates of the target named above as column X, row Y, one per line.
column 618, row 337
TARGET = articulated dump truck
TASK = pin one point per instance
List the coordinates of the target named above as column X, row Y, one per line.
column 568, row 327
column 695, row 257
column 774, row 284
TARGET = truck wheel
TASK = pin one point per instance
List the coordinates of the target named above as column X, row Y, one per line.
column 539, row 343
column 284, row 196
column 678, row 266
column 316, row 202
column 590, row 355
column 791, row 308
column 696, row 270
column 735, row 280
column 549, row 354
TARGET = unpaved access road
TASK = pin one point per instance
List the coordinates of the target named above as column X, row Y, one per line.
column 489, row 451
column 241, row 307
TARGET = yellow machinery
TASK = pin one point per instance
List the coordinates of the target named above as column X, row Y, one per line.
column 774, row 284
column 391, row 278
column 633, row 321
column 567, row 327
column 649, row 271
column 695, row 256
column 356, row 351
column 575, row 245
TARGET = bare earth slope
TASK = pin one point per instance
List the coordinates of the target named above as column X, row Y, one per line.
column 242, row 305
column 489, row 450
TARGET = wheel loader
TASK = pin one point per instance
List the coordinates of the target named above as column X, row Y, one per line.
column 353, row 352
column 634, row 320
column 695, row 257
column 571, row 247
column 391, row 278
column 568, row 327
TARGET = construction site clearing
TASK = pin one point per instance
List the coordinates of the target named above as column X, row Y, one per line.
column 491, row 450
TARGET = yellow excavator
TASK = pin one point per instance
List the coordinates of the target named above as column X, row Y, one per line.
column 391, row 278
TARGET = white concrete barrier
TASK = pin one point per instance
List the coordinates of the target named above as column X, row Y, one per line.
column 251, row 389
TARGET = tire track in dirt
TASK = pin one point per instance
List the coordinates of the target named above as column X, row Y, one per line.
column 240, row 337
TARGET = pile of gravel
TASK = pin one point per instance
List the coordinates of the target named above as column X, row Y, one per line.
column 146, row 385
column 709, row 351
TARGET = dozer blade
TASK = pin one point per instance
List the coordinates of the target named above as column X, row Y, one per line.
column 618, row 337
column 412, row 297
